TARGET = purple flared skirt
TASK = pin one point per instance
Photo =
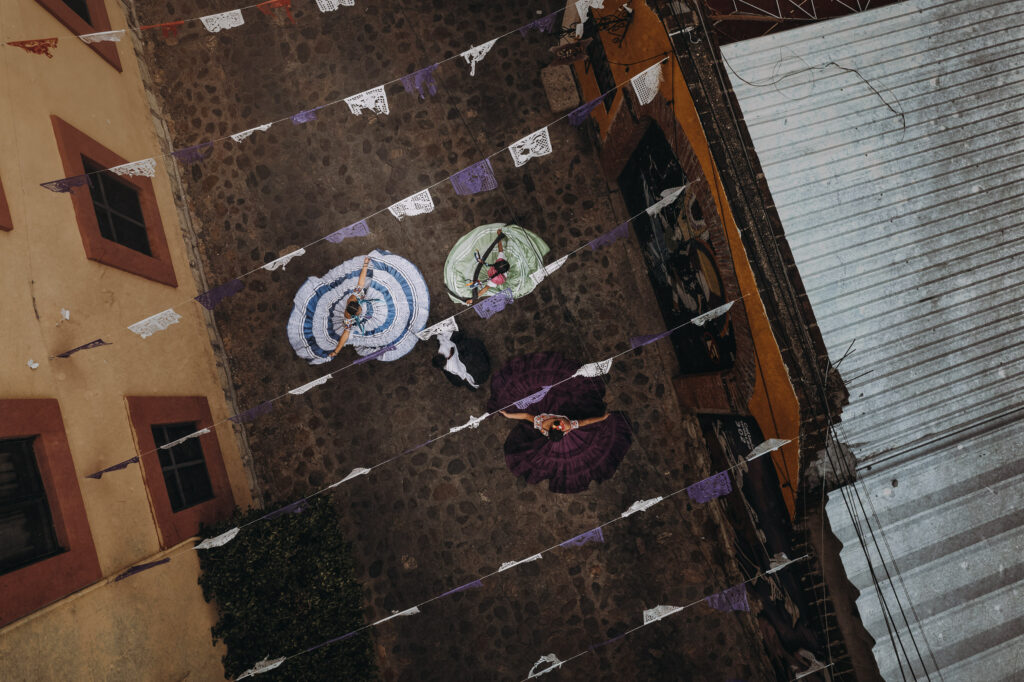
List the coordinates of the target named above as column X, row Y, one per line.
column 591, row 453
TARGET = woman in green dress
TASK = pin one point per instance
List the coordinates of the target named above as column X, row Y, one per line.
column 493, row 258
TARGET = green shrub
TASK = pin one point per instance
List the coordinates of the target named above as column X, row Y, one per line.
column 282, row 586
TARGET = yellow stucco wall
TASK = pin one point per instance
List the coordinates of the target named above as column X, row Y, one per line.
column 125, row 626
column 774, row 404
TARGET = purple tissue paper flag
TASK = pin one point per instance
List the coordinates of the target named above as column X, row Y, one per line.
column 468, row 586
column 595, row 535
column 532, row 398
column 638, row 341
column 86, row 346
column 304, row 116
column 294, row 508
column 421, row 81
column 194, row 154
column 67, row 184
column 116, row 467
column 732, row 599
column 581, row 113
column 613, row 235
column 474, row 179
column 360, row 229
column 252, row 413
column 332, row 641
column 544, row 24
column 374, row 355
column 489, row 307
column 710, row 488
column 421, row 445
column 210, row 299
column 606, row 642
column 140, row 568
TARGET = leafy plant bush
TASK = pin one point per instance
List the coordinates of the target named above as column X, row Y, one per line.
column 282, row 586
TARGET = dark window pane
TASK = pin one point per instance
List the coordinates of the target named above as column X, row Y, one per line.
column 26, row 527
column 118, row 210
column 184, row 468
column 81, row 8
column 598, row 61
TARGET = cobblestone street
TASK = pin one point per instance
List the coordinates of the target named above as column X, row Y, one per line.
column 446, row 514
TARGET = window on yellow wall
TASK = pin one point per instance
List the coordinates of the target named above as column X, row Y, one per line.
column 85, row 16
column 27, row 534
column 5, row 211
column 598, row 60
column 183, row 466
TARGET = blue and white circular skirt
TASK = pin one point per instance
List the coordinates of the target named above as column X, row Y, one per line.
column 397, row 307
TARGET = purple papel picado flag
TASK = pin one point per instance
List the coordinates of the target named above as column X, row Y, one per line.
column 360, row 229
column 210, row 299
column 194, row 154
column 374, row 355
column 67, row 184
column 489, row 307
column 475, row 179
column 595, row 535
column 710, row 488
column 140, row 568
column 544, row 24
column 532, row 398
column 116, row 467
column 252, row 413
column 581, row 113
column 304, row 116
column 613, row 235
column 421, row 82
column 637, row 341
column 296, row 507
column 476, row 584
column 85, row 346
column 732, row 599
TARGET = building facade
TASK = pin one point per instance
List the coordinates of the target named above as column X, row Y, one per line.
column 80, row 266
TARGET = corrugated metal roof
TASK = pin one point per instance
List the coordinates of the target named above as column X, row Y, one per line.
column 893, row 144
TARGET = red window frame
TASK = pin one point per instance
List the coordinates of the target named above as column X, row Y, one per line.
column 73, row 144
column 79, row 26
column 5, row 211
column 32, row 587
column 174, row 527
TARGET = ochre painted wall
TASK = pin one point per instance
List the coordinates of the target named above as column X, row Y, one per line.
column 154, row 625
column 774, row 402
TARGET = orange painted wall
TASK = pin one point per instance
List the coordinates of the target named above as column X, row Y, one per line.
column 773, row 404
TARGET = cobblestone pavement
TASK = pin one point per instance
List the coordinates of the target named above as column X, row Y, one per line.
column 446, row 514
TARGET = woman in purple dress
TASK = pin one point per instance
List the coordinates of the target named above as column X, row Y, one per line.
column 564, row 433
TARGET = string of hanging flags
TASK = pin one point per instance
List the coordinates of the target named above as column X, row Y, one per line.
column 732, row 599
column 473, row 179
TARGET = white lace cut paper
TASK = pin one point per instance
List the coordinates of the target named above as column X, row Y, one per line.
column 668, row 196
column 780, row 561
column 417, row 204
column 594, row 369
column 539, row 275
column 446, row 326
column 646, row 84
column 552, row 664
column 283, row 261
column 374, row 99
column 218, row 541
column 764, row 448
column 583, row 9
column 530, row 147
column 358, row 471
column 311, row 385
column 704, row 318
column 473, row 423
column 398, row 614
column 477, row 54
column 216, row 23
column 331, row 5
column 246, row 134
column 194, row 434
column 145, row 168
column 102, row 37
column 152, row 325
column 641, row 505
column 261, row 667
column 509, row 564
column 659, row 612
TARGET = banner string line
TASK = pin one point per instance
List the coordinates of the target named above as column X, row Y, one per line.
column 298, row 505
column 266, row 405
column 316, row 109
column 641, row 506
column 324, row 238
column 592, row 649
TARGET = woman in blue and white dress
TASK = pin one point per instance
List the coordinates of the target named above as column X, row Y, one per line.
column 373, row 303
